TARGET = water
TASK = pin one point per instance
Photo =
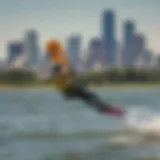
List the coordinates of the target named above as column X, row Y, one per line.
column 41, row 125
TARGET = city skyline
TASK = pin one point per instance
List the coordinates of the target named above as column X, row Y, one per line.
column 81, row 18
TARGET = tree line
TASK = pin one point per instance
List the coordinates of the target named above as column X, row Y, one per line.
column 17, row 76
column 131, row 75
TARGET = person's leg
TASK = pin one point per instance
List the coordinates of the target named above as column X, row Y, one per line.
column 91, row 99
column 94, row 101
column 68, row 93
column 88, row 97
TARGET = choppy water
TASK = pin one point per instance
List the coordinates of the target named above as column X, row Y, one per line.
column 40, row 125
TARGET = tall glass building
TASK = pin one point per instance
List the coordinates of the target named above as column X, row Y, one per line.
column 108, row 25
column 129, row 38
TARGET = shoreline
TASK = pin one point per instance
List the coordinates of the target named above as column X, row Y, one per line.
column 128, row 85
column 110, row 86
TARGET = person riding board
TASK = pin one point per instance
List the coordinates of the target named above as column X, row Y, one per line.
column 63, row 79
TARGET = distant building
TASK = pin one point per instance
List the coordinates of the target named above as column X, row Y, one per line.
column 74, row 44
column 128, row 41
column 138, row 47
column 31, row 47
column 108, row 34
column 96, row 53
column 3, row 65
column 15, row 50
column 119, row 57
column 144, row 60
column 147, row 56
column 158, row 61
column 154, row 60
column 84, row 56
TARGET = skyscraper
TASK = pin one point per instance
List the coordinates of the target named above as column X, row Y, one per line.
column 31, row 47
column 129, row 34
column 139, row 47
column 96, row 53
column 15, row 49
column 108, row 25
column 74, row 49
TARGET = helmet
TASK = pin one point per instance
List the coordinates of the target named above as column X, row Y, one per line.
column 55, row 52
column 53, row 46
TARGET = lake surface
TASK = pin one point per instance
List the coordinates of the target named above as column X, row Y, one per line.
column 38, row 124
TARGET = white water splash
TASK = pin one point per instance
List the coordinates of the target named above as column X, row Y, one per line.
column 143, row 119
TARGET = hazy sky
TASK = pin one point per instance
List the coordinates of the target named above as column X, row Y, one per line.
column 60, row 18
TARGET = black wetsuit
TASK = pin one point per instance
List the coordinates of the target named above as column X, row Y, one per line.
column 87, row 96
column 73, row 90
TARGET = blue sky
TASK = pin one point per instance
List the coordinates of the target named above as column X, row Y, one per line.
column 60, row 18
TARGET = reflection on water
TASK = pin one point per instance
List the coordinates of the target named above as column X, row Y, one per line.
column 40, row 125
